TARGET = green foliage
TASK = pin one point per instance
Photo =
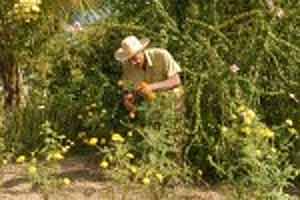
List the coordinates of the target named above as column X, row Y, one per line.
column 250, row 154
column 234, row 53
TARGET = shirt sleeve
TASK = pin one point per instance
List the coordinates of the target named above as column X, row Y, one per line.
column 172, row 67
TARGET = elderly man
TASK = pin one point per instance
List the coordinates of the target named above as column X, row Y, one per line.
column 151, row 70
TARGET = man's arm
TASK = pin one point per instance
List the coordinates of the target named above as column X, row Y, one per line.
column 172, row 70
column 167, row 84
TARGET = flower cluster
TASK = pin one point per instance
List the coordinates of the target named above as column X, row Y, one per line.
column 247, row 114
column 77, row 74
column 27, row 10
column 117, row 138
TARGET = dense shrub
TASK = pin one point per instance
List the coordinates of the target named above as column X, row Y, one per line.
column 241, row 77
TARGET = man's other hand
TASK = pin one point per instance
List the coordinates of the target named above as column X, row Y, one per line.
column 128, row 101
column 144, row 88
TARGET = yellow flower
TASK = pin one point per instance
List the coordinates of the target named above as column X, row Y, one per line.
column 233, row 116
column 35, row 8
column 149, row 173
column 32, row 170
column 273, row 150
column 146, row 181
column 289, row 122
column 258, row 153
column 104, row 164
column 103, row 141
column 34, row 160
column 130, row 155
column 120, row 83
column 26, row 9
column 77, row 74
column 110, row 158
column 117, row 138
column 224, row 129
column 292, row 131
column 21, row 159
column 133, row 169
column 242, row 108
column 130, row 134
column 90, row 114
column 81, row 134
column 49, row 157
column 249, row 116
column 93, row 141
column 4, row 162
column 58, row 156
column 159, row 177
column 200, row 172
column 67, row 181
column 247, row 120
column 268, row 133
column 41, row 107
column 66, row 149
column 246, row 130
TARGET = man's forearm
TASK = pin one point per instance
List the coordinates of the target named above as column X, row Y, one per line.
column 168, row 84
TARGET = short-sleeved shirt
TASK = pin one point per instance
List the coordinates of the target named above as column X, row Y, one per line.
column 160, row 66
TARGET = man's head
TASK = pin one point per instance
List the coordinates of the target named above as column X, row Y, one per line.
column 132, row 51
column 137, row 60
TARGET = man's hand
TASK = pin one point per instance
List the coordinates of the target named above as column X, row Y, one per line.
column 128, row 101
column 143, row 88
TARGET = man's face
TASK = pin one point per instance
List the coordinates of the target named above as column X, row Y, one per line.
column 137, row 60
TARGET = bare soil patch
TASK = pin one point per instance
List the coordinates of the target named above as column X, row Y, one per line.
column 88, row 184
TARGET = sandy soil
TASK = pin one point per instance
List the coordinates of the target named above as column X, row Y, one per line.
column 88, row 184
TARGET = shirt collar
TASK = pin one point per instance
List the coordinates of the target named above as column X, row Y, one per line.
column 148, row 58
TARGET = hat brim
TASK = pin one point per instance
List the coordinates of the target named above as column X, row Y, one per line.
column 122, row 56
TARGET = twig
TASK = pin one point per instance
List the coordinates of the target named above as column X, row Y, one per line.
column 210, row 28
column 237, row 18
column 282, row 41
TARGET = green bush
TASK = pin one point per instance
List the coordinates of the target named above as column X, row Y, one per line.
column 232, row 54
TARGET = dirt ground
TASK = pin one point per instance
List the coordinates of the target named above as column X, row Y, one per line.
column 87, row 184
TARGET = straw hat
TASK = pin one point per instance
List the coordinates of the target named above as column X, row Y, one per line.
column 130, row 46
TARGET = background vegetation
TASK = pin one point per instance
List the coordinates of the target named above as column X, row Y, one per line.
column 241, row 76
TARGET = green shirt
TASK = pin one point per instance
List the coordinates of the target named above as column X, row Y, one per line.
column 160, row 66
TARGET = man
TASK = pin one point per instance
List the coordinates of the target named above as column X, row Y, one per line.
column 151, row 70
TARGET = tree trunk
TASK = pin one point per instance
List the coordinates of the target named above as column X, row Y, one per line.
column 11, row 79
